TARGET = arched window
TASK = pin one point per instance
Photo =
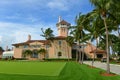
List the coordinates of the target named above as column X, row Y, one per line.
column 34, row 54
column 59, row 54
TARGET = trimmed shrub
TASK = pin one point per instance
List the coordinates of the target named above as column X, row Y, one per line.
column 59, row 59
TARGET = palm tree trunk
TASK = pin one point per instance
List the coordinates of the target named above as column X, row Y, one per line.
column 77, row 51
column 118, row 31
column 82, row 49
column 93, row 59
column 82, row 54
column 95, row 52
column 68, row 52
column 76, row 55
column 107, row 46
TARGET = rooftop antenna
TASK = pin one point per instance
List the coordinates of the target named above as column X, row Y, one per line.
column 59, row 19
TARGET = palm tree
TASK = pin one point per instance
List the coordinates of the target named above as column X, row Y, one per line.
column 104, row 8
column 95, row 29
column 78, row 33
column 70, row 41
column 76, row 36
column 48, row 35
column 27, row 53
column 42, row 51
column 1, row 49
column 82, row 23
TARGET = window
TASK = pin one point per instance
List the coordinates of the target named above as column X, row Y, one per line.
column 59, row 54
column 59, row 42
column 25, row 46
column 47, row 46
column 38, row 46
column 34, row 55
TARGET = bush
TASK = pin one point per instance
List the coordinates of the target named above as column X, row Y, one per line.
column 89, row 59
column 59, row 59
column 119, row 59
column 20, row 59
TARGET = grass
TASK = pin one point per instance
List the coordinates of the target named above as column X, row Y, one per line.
column 32, row 68
column 71, row 71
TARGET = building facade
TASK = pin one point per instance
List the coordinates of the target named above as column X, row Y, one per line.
column 58, row 48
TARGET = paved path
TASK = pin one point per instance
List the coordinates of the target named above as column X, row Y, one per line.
column 113, row 67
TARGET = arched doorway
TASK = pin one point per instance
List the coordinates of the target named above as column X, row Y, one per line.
column 59, row 54
column 34, row 54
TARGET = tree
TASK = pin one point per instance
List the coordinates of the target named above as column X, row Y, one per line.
column 82, row 23
column 95, row 29
column 105, row 8
column 70, row 41
column 27, row 52
column 48, row 35
column 1, row 49
column 42, row 51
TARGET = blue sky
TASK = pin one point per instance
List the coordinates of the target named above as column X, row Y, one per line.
column 18, row 18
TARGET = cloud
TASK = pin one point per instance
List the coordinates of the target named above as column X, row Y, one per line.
column 0, row 38
column 39, row 4
column 11, row 33
column 18, row 18
column 58, row 5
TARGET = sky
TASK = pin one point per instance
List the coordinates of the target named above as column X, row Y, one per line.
column 19, row 18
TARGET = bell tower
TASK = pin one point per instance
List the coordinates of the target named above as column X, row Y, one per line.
column 62, row 26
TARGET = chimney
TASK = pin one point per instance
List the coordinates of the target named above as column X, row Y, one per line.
column 6, row 48
column 12, row 49
column 59, row 19
column 29, row 37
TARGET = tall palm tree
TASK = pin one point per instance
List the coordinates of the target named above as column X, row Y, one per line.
column 79, row 32
column 76, row 35
column 95, row 29
column 70, row 41
column 82, row 23
column 104, row 8
column 48, row 35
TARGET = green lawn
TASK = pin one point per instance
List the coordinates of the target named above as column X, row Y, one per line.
column 32, row 68
column 71, row 71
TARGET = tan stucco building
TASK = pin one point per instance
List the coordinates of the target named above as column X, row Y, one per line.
column 58, row 48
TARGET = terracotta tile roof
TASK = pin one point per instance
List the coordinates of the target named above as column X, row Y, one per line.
column 98, row 51
column 30, row 41
column 63, row 22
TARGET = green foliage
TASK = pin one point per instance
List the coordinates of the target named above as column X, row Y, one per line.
column 70, row 40
column 27, row 52
column 1, row 49
column 41, row 51
column 59, row 59
column 48, row 33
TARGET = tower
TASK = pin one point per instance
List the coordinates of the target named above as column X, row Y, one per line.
column 62, row 26
column 29, row 37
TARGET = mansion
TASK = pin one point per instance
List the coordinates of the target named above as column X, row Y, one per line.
column 58, row 48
